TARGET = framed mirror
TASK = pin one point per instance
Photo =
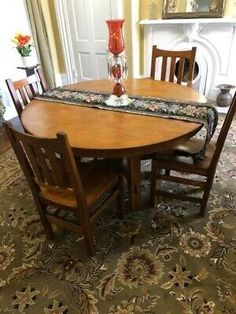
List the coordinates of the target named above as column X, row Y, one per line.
column 175, row 9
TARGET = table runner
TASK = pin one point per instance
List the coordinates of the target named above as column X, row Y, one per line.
column 205, row 114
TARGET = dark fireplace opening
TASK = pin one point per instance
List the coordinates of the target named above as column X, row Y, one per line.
column 186, row 69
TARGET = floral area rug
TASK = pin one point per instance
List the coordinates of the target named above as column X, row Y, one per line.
column 153, row 261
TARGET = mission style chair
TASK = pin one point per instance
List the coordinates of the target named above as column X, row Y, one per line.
column 205, row 168
column 178, row 62
column 22, row 91
column 55, row 179
column 175, row 64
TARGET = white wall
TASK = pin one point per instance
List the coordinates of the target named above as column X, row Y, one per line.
column 13, row 19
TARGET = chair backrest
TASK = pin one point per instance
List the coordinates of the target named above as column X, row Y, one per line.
column 22, row 91
column 224, row 131
column 175, row 64
column 42, row 79
column 47, row 162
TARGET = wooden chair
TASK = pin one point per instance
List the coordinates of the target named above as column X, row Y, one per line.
column 22, row 91
column 205, row 168
column 55, row 179
column 180, row 64
column 39, row 72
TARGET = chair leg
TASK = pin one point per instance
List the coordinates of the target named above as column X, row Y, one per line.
column 167, row 172
column 207, row 189
column 88, row 236
column 120, row 197
column 153, row 184
column 46, row 225
column 89, row 245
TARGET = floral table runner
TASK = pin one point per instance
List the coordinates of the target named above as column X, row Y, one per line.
column 205, row 114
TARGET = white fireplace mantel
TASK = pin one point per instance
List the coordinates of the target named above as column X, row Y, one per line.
column 221, row 21
column 215, row 39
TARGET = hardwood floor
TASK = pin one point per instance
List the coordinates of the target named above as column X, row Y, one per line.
column 4, row 142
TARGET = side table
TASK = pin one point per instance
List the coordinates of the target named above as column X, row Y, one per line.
column 29, row 70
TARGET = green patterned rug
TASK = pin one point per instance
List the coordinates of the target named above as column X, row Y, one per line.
column 154, row 261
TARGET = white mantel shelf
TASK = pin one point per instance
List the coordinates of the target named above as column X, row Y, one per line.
column 227, row 21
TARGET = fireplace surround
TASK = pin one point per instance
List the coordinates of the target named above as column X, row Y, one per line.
column 215, row 40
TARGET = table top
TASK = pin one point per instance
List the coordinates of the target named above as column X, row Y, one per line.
column 102, row 133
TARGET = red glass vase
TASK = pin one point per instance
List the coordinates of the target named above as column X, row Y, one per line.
column 116, row 42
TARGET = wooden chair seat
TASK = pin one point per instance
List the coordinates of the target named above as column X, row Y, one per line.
column 178, row 163
column 164, row 168
column 190, row 147
column 95, row 183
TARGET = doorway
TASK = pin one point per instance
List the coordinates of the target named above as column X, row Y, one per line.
column 84, row 36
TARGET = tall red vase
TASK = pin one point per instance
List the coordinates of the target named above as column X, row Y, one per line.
column 116, row 42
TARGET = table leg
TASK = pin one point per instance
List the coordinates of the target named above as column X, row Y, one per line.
column 134, row 173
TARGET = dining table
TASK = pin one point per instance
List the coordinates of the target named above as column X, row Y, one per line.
column 110, row 134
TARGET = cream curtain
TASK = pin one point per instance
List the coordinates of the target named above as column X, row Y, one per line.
column 41, row 42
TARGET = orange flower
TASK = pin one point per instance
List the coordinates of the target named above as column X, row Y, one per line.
column 22, row 43
column 22, row 40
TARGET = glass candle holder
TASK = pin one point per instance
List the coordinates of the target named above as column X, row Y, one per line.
column 117, row 63
column 116, row 42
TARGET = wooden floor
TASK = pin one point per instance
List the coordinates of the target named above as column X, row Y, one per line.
column 4, row 142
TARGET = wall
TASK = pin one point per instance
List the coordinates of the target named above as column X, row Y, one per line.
column 11, row 22
column 128, row 32
column 151, row 9
column 132, row 36
column 230, row 8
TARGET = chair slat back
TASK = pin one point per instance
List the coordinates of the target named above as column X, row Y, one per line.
column 224, row 131
column 47, row 162
column 42, row 79
column 23, row 91
column 170, row 59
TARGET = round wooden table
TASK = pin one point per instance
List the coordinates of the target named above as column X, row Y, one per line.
column 101, row 133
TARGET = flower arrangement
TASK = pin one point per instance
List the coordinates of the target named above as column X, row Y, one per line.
column 23, row 44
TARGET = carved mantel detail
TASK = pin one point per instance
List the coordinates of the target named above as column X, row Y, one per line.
column 192, row 31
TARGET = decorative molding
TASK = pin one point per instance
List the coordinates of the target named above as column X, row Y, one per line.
column 192, row 31
column 223, row 21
